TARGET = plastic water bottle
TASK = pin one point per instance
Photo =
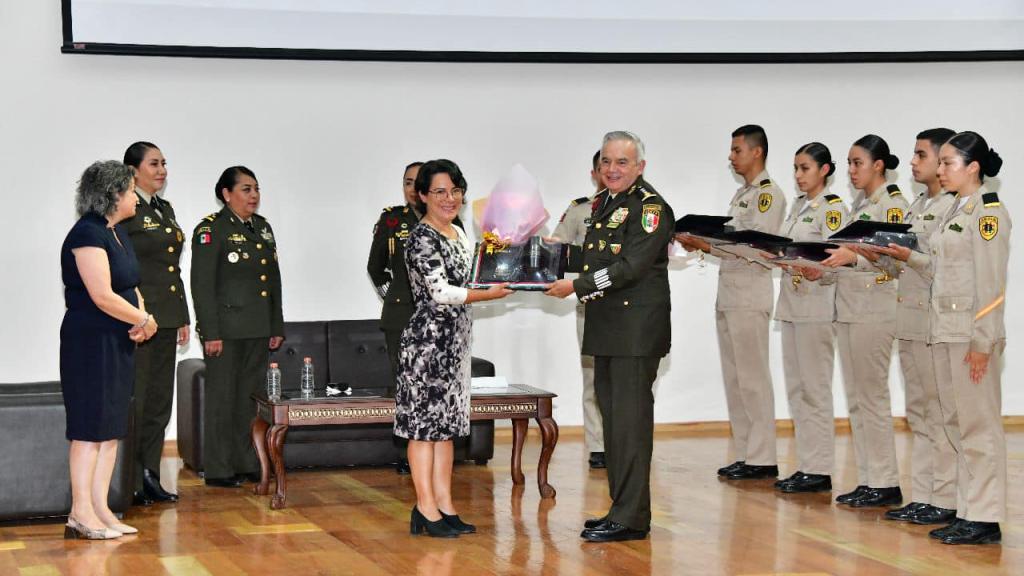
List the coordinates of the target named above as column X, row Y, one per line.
column 306, row 383
column 274, row 382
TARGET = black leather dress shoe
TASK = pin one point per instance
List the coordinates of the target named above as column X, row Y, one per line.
column 849, row 496
column 751, row 472
column 974, row 533
column 140, row 499
column 934, row 515
column 940, row 533
column 230, row 482
column 878, row 497
column 613, row 532
column 806, row 483
column 790, row 478
column 402, row 468
column 597, row 461
column 906, row 513
column 595, row 522
column 726, row 469
column 153, row 490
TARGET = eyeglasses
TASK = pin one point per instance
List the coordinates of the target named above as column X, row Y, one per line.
column 454, row 193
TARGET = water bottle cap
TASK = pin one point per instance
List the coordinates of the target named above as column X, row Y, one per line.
column 273, row 364
column 307, row 360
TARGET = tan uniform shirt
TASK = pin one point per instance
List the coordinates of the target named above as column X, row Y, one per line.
column 925, row 214
column 802, row 300
column 870, row 296
column 745, row 285
column 967, row 261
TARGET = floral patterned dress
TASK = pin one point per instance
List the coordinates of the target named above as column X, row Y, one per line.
column 432, row 394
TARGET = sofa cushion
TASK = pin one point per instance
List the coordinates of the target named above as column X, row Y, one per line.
column 302, row 339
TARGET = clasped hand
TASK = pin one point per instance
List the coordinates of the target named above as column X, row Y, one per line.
column 143, row 333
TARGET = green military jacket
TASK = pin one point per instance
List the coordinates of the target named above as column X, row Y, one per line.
column 623, row 266
column 386, row 265
column 158, row 239
column 236, row 281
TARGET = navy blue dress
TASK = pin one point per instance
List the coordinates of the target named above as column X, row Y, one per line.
column 97, row 362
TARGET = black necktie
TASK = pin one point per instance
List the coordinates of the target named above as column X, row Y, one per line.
column 154, row 203
column 250, row 226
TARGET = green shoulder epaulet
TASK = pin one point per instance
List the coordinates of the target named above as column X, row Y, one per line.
column 833, row 199
column 894, row 190
column 647, row 194
column 212, row 217
column 990, row 199
column 765, row 183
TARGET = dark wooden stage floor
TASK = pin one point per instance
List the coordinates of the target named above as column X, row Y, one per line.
column 356, row 522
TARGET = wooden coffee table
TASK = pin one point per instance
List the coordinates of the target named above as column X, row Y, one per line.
column 517, row 402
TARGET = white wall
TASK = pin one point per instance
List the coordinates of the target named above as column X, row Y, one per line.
column 328, row 141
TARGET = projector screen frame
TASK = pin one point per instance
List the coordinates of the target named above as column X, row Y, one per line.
column 69, row 46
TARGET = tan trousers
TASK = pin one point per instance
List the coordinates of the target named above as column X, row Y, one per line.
column 743, row 345
column 865, row 351
column 976, row 431
column 933, row 459
column 808, row 358
column 592, row 427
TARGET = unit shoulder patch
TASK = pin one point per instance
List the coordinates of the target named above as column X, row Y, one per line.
column 833, row 219
column 833, row 199
column 894, row 215
column 764, row 201
column 650, row 217
column 988, row 226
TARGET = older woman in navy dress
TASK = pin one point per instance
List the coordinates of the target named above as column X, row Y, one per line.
column 104, row 319
column 432, row 394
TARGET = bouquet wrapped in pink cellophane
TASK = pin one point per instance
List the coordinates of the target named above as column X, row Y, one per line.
column 514, row 211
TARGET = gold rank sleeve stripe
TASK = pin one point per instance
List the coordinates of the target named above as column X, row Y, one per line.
column 988, row 309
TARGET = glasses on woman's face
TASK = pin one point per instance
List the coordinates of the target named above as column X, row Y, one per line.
column 454, row 193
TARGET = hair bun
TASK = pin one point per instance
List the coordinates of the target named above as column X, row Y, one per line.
column 992, row 163
column 892, row 162
column 831, row 168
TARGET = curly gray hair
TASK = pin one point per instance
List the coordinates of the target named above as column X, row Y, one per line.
column 102, row 184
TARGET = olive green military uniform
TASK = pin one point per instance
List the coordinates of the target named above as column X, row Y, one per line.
column 572, row 229
column 157, row 239
column 866, row 326
column 386, row 266
column 624, row 283
column 806, row 311
column 742, row 313
column 933, row 460
column 967, row 263
column 236, row 287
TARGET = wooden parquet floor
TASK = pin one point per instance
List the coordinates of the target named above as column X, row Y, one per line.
column 355, row 521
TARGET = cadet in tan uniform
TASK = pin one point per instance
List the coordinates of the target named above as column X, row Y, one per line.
column 806, row 311
column 236, row 287
column 967, row 263
column 933, row 461
column 572, row 229
column 866, row 327
column 158, row 240
column 743, row 311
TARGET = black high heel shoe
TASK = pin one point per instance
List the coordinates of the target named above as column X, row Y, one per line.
column 418, row 523
column 457, row 524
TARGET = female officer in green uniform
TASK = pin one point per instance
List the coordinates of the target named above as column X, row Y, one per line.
column 158, row 239
column 236, row 286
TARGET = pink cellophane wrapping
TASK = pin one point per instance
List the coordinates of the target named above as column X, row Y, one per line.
column 515, row 210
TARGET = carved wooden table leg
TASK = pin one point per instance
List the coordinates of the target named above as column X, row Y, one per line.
column 518, row 438
column 276, row 440
column 259, row 440
column 549, row 437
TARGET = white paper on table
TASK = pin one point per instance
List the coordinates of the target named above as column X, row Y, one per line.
column 488, row 382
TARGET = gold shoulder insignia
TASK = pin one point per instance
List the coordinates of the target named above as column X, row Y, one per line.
column 893, row 189
column 765, row 183
column 212, row 217
column 648, row 195
column 991, row 200
column 833, row 199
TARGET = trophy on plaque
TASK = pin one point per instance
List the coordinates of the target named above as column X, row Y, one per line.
column 510, row 253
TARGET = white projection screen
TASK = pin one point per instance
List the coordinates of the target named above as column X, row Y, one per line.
column 552, row 30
